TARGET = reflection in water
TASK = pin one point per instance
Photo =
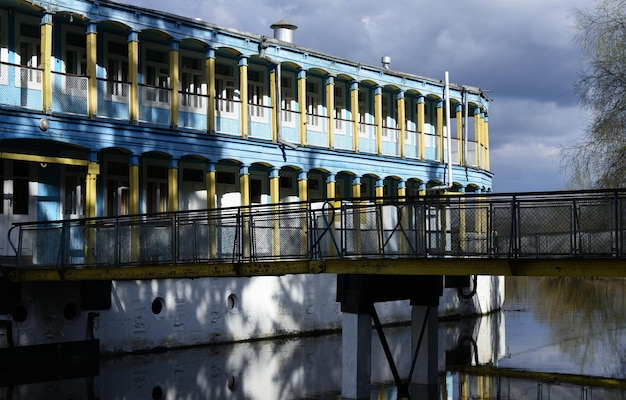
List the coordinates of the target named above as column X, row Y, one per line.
column 574, row 328
column 582, row 322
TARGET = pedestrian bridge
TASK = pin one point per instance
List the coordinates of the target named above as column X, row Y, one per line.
column 532, row 234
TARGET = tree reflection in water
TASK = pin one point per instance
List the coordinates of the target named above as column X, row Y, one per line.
column 586, row 318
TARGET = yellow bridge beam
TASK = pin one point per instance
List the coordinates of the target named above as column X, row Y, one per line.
column 423, row 267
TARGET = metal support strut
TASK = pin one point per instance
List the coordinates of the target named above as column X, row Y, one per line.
column 403, row 387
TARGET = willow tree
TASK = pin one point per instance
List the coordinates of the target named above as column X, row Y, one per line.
column 599, row 159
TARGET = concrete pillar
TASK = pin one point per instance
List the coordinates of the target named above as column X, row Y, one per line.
column 424, row 380
column 356, row 356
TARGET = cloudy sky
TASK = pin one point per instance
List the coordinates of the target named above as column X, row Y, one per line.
column 521, row 52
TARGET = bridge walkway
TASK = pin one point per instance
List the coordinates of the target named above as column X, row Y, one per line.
column 532, row 234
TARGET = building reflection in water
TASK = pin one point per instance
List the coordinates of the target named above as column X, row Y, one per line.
column 574, row 329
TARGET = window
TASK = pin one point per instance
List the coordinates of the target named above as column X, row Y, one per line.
column 156, row 189
column 388, row 118
column 117, row 86
column 75, row 63
column 74, row 192
column 4, row 51
column 117, row 189
column 256, row 94
column 226, row 92
column 193, row 87
column 288, row 100
column 364, row 129
column 313, row 104
column 75, row 53
column 340, row 107
column 29, row 54
column 156, row 78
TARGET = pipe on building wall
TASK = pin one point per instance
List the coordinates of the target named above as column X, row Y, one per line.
column 279, row 117
column 446, row 131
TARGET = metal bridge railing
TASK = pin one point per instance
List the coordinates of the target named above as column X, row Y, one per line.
column 543, row 225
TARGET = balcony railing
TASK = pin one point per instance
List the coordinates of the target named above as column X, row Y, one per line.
column 21, row 86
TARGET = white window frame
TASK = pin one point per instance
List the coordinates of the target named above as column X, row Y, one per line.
column 34, row 77
column 4, row 50
column 74, row 203
column 314, row 104
column 192, row 75
column 288, row 99
column 258, row 98
column 341, row 114
column 160, row 82
column 115, row 78
column 81, row 55
column 364, row 117
column 227, row 89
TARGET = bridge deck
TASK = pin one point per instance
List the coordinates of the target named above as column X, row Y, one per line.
column 542, row 234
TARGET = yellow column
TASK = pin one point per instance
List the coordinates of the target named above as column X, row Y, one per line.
column 46, row 57
column 303, row 188
column 334, row 214
column 92, row 63
column 172, row 185
column 378, row 118
column 210, row 80
column 486, row 142
column 354, row 108
column 405, row 216
column 244, row 185
column 211, row 204
column 302, row 104
column 402, row 123
column 440, row 131
column 477, row 137
column 133, row 75
column 401, row 189
column 275, row 199
column 133, row 206
column 133, row 185
column 243, row 94
column 356, row 216
column 91, row 195
column 274, row 101
column 380, row 189
column 459, row 132
column 244, row 188
column 330, row 109
column 420, row 126
column 331, row 187
column 174, row 78
column 211, row 191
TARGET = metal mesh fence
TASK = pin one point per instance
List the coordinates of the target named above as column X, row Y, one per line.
column 69, row 93
column 476, row 227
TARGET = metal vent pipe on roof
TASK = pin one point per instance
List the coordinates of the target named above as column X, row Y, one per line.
column 283, row 30
column 386, row 61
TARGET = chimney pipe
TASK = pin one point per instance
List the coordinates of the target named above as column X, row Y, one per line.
column 283, row 30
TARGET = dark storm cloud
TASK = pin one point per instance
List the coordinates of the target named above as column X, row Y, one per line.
column 522, row 52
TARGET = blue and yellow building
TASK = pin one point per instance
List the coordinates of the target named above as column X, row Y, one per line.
column 108, row 109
